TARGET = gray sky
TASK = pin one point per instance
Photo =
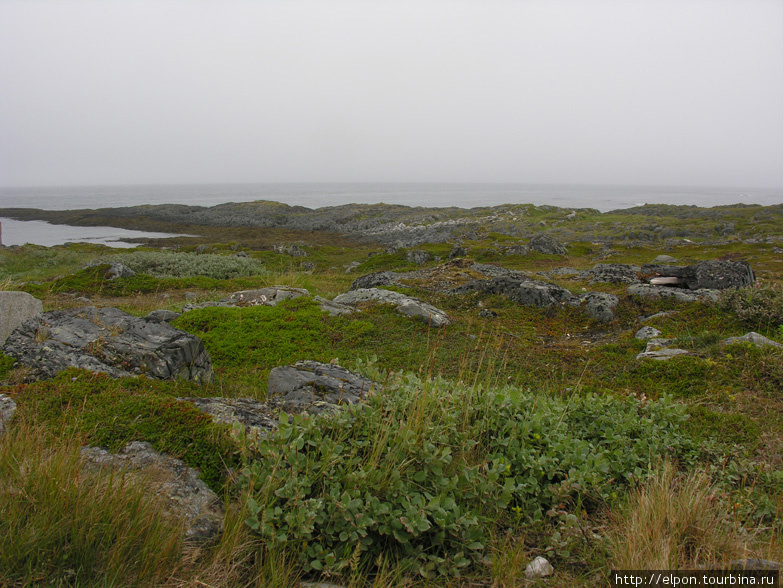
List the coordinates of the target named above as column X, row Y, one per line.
column 628, row 91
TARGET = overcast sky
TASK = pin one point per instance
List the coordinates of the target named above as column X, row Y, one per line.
column 681, row 92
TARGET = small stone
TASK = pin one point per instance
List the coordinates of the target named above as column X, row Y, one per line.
column 647, row 333
column 15, row 308
column 665, row 259
column 162, row 315
column 487, row 313
column 538, row 568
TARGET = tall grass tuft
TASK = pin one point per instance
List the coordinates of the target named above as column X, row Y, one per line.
column 675, row 521
column 63, row 525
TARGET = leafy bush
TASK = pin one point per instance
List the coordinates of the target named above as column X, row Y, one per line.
column 164, row 264
column 759, row 306
column 421, row 470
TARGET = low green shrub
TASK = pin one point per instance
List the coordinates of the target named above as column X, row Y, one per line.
column 422, row 471
column 166, row 264
column 759, row 306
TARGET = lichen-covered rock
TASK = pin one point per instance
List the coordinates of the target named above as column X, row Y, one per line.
column 527, row 292
column 665, row 259
column 647, row 333
column 538, row 568
column 375, row 280
column 661, row 350
column 496, row 271
column 599, row 305
column 458, row 251
column 754, row 339
column 317, row 387
column 258, row 418
column 184, row 493
column 162, row 315
column 706, row 275
column 418, row 256
column 612, row 273
column 406, row 305
column 269, row 296
column 15, row 308
column 110, row 341
column 7, row 410
column 547, row 244
column 680, row 294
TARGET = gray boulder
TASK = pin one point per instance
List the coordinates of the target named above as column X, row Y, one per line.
column 661, row 350
column 754, row 339
column 679, row 294
column 110, row 341
column 269, row 296
column 665, row 259
column 516, row 250
column 375, row 280
column 599, row 305
column 115, row 269
column 496, row 271
column 7, row 410
column 316, row 387
column 547, row 244
column 706, row 275
column 258, row 418
column 526, row 291
column 418, row 256
column 163, row 315
column 458, row 251
column 183, row 492
column 613, row 273
column 406, row 305
column 334, row 308
column 293, row 250
column 647, row 333
column 15, row 308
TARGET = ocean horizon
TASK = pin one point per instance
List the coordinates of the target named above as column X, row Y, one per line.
column 318, row 195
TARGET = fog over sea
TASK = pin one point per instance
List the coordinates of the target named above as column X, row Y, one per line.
column 317, row 195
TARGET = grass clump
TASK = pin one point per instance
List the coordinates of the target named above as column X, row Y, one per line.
column 110, row 413
column 424, row 470
column 676, row 521
column 165, row 264
column 63, row 526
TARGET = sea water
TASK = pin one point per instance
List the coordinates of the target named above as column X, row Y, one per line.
column 314, row 195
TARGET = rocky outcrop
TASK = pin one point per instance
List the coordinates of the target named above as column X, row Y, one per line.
column 407, row 305
column 661, row 350
column 650, row 292
column 163, row 315
column 612, row 273
column 706, row 275
column 547, row 244
column 110, row 341
column 269, row 296
column 754, row 339
column 7, row 410
column 315, row 387
column 647, row 333
column 599, row 305
column 418, row 256
column 180, row 487
column 15, row 308
column 258, row 418
column 527, row 292
column 375, row 280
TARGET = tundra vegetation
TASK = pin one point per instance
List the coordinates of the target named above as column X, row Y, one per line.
column 506, row 435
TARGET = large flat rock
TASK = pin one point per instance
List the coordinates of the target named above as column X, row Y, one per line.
column 110, row 341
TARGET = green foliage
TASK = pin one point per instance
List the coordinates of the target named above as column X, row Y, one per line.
column 268, row 336
column 166, row 264
column 422, row 471
column 95, row 280
column 113, row 412
column 6, row 364
column 759, row 306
